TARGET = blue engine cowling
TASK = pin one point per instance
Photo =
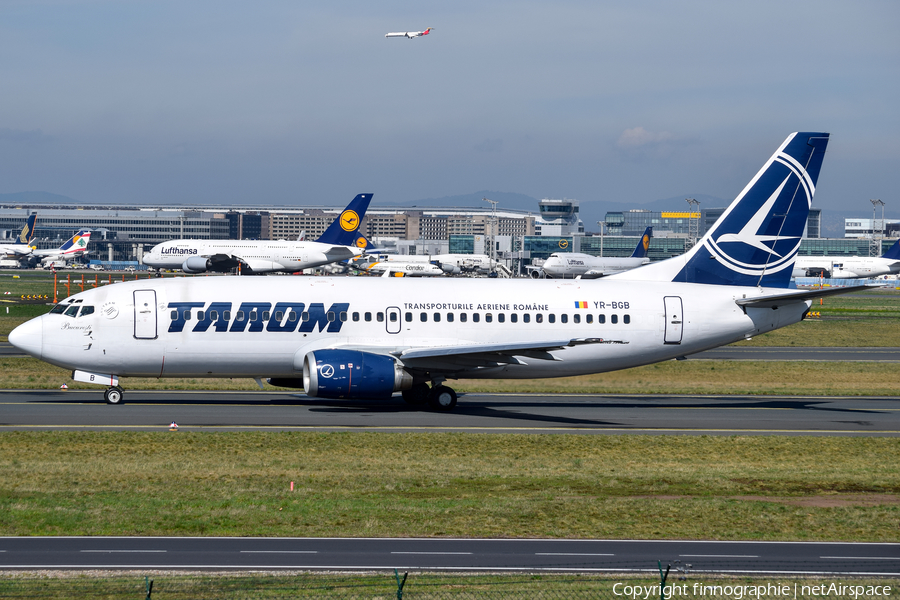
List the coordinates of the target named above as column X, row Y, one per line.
column 352, row 374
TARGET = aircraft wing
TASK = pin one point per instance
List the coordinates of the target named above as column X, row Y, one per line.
column 16, row 250
column 776, row 300
column 474, row 356
column 338, row 253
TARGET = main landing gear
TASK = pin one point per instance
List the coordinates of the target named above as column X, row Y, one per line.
column 439, row 397
column 113, row 395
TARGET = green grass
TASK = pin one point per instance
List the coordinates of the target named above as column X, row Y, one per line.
column 422, row 586
column 381, row 484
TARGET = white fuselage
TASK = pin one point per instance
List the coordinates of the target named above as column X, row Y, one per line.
column 847, row 267
column 570, row 265
column 264, row 327
column 260, row 256
column 406, row 268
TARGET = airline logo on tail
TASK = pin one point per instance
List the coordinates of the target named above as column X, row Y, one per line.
column 27, row 233
column 349, row 220
column 78, row 243
column 756, row 240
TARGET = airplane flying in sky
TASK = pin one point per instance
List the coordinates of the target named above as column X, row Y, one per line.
column 342, row 337
column 73, row 247
column 409, row 34
column 849, row 267
column 575, row 264
column 339, row 242
column 21, row 247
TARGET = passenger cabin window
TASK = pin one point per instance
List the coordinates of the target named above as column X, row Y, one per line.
column 449, row 317
column 551, row 317
column 437, row 317
column 408, row 317
column 356, row 316
column 226, row 315
column 539, row 318
column 589, row 318
column 330, row 316
column 266, row 315
column 488, row 317
column 463, row 317
column 563, row 318
column 239, row 316
column 501, row 317
column 526, row 318
column 304, row 316
column 576, row 318
column 476, row 317
column 614, row 319
column 343, row 316
column 626, row 319
column 514, row 317
column 213, row 315
column 279, row 315
column 368, row 316
column 601, row 319
column 292, row 316
column 423, row 317
column 187, row 315
column 381, row 317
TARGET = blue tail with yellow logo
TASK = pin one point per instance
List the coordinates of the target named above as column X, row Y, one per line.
column 640, row 251
column 343, row 230
column 27, row 233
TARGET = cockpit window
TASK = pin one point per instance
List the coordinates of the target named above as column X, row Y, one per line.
column 71, row 311
column 59, row 308
column 86, row 310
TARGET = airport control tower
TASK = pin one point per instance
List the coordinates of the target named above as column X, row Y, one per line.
column 559, row 218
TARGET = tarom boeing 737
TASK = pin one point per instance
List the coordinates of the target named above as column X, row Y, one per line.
column 339, row 242
column 340, row 337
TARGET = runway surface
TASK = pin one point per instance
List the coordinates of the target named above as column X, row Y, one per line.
column 446, row 554
column 482, row 413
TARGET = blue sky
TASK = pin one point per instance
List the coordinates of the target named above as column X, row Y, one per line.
column 288, row 102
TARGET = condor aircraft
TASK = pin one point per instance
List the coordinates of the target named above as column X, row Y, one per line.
column 585, row 266
column 339, row 242
column 352, row 338
column 849, row 267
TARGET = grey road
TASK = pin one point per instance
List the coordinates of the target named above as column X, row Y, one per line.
column 511, row 413
column 449, row 554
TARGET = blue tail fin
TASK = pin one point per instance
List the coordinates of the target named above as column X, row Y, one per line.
column 640, row 251
column 27, row 233
column 893, row 252
column 343, row 230
column 755, row 241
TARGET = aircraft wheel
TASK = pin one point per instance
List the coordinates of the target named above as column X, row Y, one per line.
column 442, row 398
column 417, row 394
column 113, row 395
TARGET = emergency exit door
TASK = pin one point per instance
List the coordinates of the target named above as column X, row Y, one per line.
column 145, row 314
column 674, row 319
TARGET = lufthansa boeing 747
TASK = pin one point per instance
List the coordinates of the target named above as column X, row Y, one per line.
column 352, row 338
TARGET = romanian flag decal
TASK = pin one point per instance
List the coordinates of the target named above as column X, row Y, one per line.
column 580, row 304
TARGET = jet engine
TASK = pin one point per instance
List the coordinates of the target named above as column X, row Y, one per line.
column 352, row 374
column 196, row 264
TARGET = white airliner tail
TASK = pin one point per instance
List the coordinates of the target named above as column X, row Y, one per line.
column 755, row 241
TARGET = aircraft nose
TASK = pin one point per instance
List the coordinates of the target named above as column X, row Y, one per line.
column 29, row 337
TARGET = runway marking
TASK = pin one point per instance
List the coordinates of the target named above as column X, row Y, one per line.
column 121, row 551
column 279, row 551
column 719, row 555
column 437, row 553
column 569, row 554
column 863, row 557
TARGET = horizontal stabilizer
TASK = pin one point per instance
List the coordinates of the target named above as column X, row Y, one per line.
column 776, row 300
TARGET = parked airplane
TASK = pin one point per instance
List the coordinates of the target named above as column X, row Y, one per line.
column 575, row 264
column 849, row 267
column 351, row 338
column 72, row 248
column 451, row 264
column 339, row 242
column 22, row 246
column 399, row 268
column 409, row 34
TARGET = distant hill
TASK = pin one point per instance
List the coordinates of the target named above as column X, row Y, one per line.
column 37, row 198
